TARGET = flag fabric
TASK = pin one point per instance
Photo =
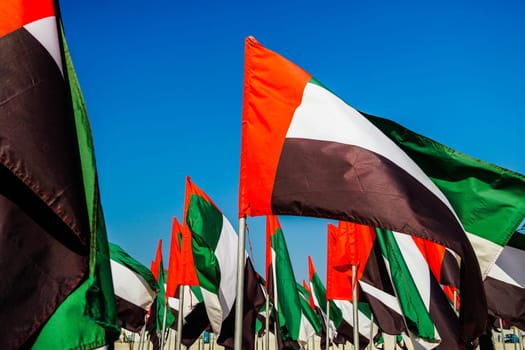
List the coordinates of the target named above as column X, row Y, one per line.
column 429, row 317
column 487, row 199
column 181, row 269
column 339, row 279
column 53, row 236
column 214, row 243
column 135, row 289
column 341, row 311
column 505, row 283
column 291, row 321
column 162, row 298
column 339, row 263
column 253, row 300
column 305, row 152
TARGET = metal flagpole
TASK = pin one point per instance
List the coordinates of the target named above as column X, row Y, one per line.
column 180, row 317
column 163, row 323
column 240, row 284
column 141, row 339
column 356, row 308
column 327, row 324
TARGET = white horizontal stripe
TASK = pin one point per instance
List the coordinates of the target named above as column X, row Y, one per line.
column 131, row 286
column 385, row 298
column 364, row 322
column 324, row 116
column 416, row 264
column 512, row 261
column 486, row 252
column 213, row 310
column 497, row 273
column 226, row 253
column 45, row 31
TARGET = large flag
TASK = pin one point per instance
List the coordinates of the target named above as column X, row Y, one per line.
column 505, row 283
column 306, row 152
column 52, row 236
column 292, row 322
column 181, row 269
column 135, row 289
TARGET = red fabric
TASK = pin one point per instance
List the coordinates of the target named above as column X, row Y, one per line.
column 155, row 265
column 273, row 87
column 310, row 297
column 181, row 268
column 272, row 224
column 16, row 13
column 338, row 280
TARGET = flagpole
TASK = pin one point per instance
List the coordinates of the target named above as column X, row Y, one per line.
column 371, row 330
column 240, row 284
column 141, row 341
column 356, row 310
column 163, row 323
column 327, row 324
column 180, row 317
column 267, row 321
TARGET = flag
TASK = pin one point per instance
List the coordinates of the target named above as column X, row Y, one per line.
column 283, row 287
column 338, row 276
column 341, row 255
column 487, row 199
column 428, row 315
column 253, row 300
column 181, row 270
column 306, row 152
column 53, row 236
column 505, row 283
column 341, row 312
column 135, row 289
column 214, row 243
column 162, row 298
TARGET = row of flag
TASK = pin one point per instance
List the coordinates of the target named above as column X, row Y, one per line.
column 424, row 228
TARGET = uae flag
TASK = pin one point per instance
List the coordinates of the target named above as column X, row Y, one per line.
column 505, row 284
column 54, row 255
column 135, row 289
column 214, row 242
column 293, row 325
column 306, row 152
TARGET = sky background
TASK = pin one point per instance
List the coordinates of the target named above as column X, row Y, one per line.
column 163, row 86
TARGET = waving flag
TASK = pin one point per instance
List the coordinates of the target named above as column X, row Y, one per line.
column 53, row 237
column 306, row 152
column 135, row 289
column 181, row 269
column 292, row 322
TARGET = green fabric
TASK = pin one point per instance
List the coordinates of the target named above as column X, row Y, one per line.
column 312, row 316
column 289, row 305
column 88, row 317
column 162, row 302
column 118, row 255
column 489, row 200
column 416, row 315
column 336, row 315
column 205, row 222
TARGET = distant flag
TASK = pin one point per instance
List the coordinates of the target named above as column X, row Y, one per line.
column 291, row 322
column 135, row 289
column 162, row 300
column 214, row 242
column 52, row 237
column 352, row 170
column 181, row 269
column 505, row 283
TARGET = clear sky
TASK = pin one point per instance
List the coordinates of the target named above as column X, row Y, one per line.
column 163, row 84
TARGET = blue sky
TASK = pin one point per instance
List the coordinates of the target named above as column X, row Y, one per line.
column 163, row 83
